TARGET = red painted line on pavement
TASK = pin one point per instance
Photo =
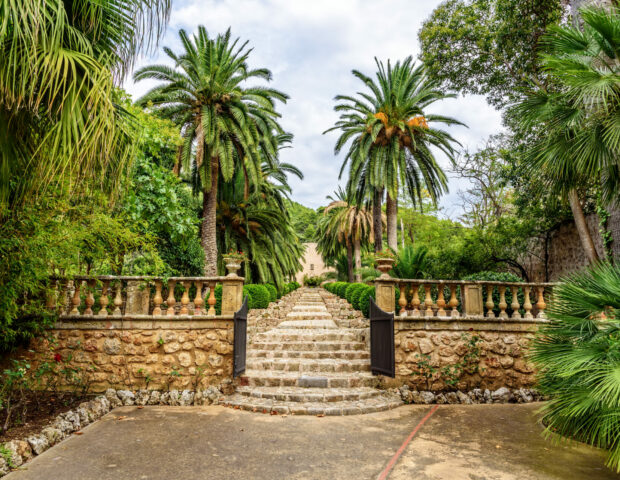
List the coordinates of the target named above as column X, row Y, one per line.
column 384, row 474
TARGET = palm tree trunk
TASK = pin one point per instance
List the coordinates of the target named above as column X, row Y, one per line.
column 208, row 233
column 376, row 220
column 582, row 227
column 177, row 163
column 357, row 253
column 391, row 207
column 349, row 262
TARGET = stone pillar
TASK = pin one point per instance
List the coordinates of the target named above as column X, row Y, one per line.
column 472, row 300
column 138, row 298
column 385, row 294
column 232, row 294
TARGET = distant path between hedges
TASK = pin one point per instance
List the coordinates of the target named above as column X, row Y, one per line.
column 481, row 442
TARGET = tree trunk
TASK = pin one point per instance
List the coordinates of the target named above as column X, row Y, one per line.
column 208, row 231
column 402, row 233
column 357, row 253
column 391, row 207
column 376, row 220
column 349, row 262
column 582, row 227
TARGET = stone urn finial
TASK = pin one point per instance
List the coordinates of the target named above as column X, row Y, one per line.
column 384, row 265
column 233, row 263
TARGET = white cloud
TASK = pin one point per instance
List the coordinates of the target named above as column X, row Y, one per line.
column 311, row 48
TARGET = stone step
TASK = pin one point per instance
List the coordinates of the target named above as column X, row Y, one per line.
column 261, row 378
column 298, row 394
column 309, row 316
column 318, row 335
column 308, row 365
column 340, row 354
column 308, row 324
column 325, row 346
column 309, row 308
column 264, row 405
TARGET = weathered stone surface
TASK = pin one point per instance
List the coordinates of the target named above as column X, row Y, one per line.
column 112, row 397
column 127, row 397
column 53, row 435
column 38, row 443
column 112, row 346
column 501, row 395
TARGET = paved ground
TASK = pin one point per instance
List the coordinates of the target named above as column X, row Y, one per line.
column 478, row 442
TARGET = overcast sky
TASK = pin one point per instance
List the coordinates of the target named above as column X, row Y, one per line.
column 311, row 46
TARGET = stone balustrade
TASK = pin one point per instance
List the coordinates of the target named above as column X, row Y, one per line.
column 99, row 297
column 453, row 299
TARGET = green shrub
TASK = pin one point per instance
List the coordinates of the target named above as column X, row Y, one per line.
column 218, row 300
column 351, row 289
column 328, row 286
column 259, row 295
column 295, row 285
column 355, row 300
column 364, row 297
column 342, row 289
column 273, row 292
column 313, row 281
column 578, row 362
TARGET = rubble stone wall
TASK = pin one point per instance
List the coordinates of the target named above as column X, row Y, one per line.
column 138, row 354
column 436, row 345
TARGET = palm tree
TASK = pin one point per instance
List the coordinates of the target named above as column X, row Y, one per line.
column 60, row 128
column 576, row 353
column 391, row 137
column 225, row 124
column 349, row 225
column 578, row 133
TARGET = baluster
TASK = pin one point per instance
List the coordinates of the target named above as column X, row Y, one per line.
column 515, row 302
column 441, row 302
column 90, row 298
column 211, row 300
column 185, row 299
column 541, row 305
column 428, row 301
column 170, row 301
column 50, row 301
column 490, row 304
column 502, row 302
column 118, row 299
column 415, row 301
column 157, row 299
column 198, row 301
column 402, row 301
column 454, row 302
column 75, row 301
column 527, row 303
column 104, row 300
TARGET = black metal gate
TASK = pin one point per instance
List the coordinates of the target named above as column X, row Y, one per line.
column 381, row 341
column 239, row 344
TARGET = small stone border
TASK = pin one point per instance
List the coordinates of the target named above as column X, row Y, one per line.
column 15, row 453
column 475, row 396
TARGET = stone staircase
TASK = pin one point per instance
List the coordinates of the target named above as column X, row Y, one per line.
column 310, row 366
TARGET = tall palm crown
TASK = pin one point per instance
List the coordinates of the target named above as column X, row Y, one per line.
column 390, row 132
column 345, row 225
column 225, row 124
column 390, row 137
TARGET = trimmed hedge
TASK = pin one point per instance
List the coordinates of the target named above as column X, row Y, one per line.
column 364, row 299
column 273, row 292
column 350, row 292
column 357, row 294
column 259, row 295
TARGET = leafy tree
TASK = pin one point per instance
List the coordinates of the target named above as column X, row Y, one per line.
column 390, row 137
column 304, row 221
column 581, row 136
column 577, row 356
column 487, row 47
column 229, row 125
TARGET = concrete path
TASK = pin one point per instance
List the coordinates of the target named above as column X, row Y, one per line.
column 476, row 442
